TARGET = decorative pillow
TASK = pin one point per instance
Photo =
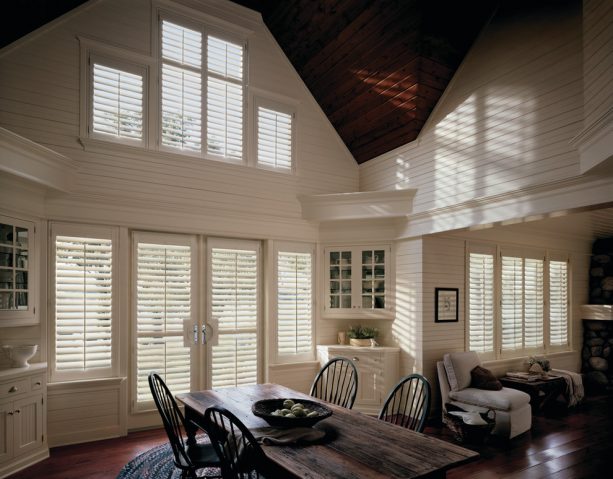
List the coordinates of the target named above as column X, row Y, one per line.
column 472, row 418
column 458, row 367
column 482, row 378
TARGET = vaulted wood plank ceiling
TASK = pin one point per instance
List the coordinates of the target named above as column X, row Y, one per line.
column 376, row 67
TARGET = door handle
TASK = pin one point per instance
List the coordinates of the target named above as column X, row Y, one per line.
column 195, row 334
column 207, row 330
column 204, row 333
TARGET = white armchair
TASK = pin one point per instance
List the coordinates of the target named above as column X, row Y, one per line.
column 513, row 412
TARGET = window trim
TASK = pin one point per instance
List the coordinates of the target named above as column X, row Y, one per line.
column 290, row 247
column 524, row 252
column 265, row 102
column 85, row 231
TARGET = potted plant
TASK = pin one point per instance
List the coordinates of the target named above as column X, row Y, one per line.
column 361, row 335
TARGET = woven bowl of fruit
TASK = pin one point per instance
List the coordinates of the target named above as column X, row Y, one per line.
column 290, row 412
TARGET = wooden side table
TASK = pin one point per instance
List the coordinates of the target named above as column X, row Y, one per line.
column 541, row 391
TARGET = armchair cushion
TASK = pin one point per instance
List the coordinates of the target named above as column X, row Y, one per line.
column 458, row 367
column 506, row 399
column 482, row 378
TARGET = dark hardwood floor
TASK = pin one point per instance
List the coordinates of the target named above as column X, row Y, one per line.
column 564, row 445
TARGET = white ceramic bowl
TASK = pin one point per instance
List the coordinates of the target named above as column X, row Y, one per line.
column 20, row 354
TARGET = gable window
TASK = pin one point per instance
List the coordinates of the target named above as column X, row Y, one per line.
column 117, row 103
column 275, row 136
column 225, row 85
column 181, row 103
column 517, row 304
column 294, row 302
column 83, row 294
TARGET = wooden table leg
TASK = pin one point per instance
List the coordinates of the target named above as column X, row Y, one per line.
column 192, row 423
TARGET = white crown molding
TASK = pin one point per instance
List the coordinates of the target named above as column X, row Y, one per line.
column 595, row 143
column 167, row 217
column 561, row 196
column 27, row 159
column 357, row 205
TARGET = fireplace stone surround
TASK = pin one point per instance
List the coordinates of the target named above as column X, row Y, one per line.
column 596, row 357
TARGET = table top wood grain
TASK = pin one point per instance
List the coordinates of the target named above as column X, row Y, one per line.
column 356, row 445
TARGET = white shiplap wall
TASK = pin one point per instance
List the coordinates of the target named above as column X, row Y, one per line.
column 504, row 122
column 597, row 59
column 407, row 328
column 39, row 99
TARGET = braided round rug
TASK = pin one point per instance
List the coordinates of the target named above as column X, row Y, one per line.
column 157, row 463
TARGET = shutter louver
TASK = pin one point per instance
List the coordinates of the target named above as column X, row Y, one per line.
column 294, row 303
column 481, row 302
column 533, row 303
column 163, row 302
column 117, row 107
column 181, row 121
column 234, row 305
column 225, row 103
column 512, row 303
column 274, row 139
column 83, row 304
column 558, row 303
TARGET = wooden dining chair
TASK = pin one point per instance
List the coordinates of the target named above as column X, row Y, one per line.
column 189, row 455
column 408, row 404
column 337, row 382
column 240, row 455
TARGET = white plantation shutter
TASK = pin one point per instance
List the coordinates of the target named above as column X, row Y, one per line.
column 163, row 303
column 83, row 306
column 117, row 102
column 294, row 303
column 533, row 303
column 512, row 303
column 234, row 308
column 481, row 302
column 181, row 120
column 558, row 303
column 274, row 137
column 225, row 98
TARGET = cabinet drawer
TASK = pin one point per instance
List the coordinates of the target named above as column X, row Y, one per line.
column 13, row 388
column 37, row 382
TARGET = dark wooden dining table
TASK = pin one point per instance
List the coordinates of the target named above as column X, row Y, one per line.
column 355, row 446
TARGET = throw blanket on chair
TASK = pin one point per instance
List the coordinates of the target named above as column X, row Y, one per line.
column 574, row 386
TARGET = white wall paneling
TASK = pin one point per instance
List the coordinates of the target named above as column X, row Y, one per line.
column 86, row 411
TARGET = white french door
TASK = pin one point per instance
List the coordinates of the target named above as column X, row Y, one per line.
column 165, row 313
column 233, row 311
column 191, row 342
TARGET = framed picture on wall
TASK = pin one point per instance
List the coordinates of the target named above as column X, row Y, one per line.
column 445, row 305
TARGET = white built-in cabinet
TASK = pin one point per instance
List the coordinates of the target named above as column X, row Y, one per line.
column 17, row 279
column 23, row 437
column 358, row 282
column 378, row 370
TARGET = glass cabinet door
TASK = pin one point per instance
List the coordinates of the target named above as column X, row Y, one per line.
column 357, row 281
column 373, row 279
column 340, row 280
column 16, row 239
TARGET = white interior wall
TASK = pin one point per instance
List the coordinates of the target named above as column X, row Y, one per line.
column 504, row 123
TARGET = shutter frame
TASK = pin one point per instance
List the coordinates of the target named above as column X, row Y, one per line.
column 275, row 135
column 108, row 237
